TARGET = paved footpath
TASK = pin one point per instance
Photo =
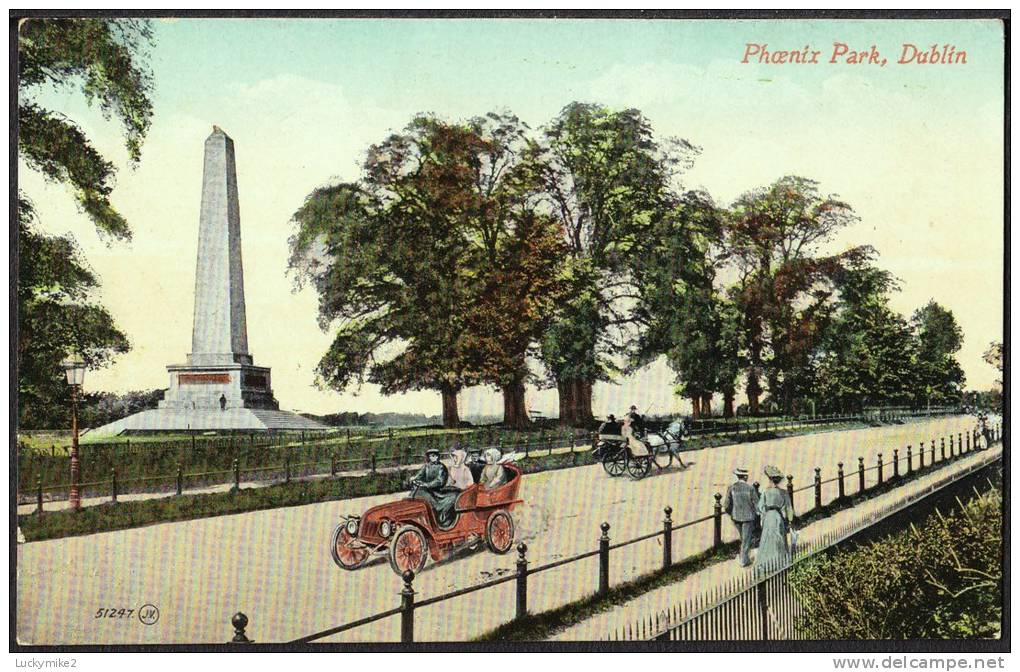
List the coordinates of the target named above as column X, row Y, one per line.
column 275, row 566
column 603, row 626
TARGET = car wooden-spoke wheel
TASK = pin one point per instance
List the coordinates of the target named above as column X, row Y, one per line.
column 345, row 555
column 409, row 550
column 638, row 467
column 499, row 532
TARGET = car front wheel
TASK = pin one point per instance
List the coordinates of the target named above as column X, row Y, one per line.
column 409, row 550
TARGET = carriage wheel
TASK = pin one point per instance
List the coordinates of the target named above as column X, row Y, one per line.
column 344, row 555
column 663, row 456
column 499, row 532
column 638, row 467
column 615, row 463
column 409, row 550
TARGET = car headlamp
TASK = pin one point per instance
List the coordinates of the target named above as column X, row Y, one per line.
column 386, row 528
column 352, row 526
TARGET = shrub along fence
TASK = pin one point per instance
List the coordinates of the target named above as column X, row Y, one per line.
column 902, row 465
column 199, row 461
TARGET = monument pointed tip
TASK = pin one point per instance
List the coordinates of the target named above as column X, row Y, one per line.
column 217, row 129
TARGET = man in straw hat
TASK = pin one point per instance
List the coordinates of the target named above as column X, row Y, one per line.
column 741, row 505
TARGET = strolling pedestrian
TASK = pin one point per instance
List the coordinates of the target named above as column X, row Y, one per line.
column 741, row 505
column 776, row 512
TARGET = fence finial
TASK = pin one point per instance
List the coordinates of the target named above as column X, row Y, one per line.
column 240, row 622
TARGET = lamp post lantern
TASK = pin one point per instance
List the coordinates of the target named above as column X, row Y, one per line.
column 74, row 370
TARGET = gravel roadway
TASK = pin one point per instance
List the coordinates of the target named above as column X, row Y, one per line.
column 275, row 565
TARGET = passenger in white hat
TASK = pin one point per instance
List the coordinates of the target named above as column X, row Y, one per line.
column 741, row 505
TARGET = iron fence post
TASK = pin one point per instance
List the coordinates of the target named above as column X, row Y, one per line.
column 180, row 478
column 896, row 463
column 910, row 460
column 942, row 451
column 407, row 608
column 818, row 488
column 932, row 451
column 717, row 515
column 113, row 484
column 237, row 475
column 373, row 463
column 240, row 622
column 880, row 466
column 667, row 538
column 968, row 442
column 842, row 486
column 959, row 443
column 860, row 475
column 604, row 560
column 920, row 457
column 522, row 580
column 38, row 494
column 332, row 464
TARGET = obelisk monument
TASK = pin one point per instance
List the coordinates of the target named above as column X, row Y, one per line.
column 220, row 373
column 219, row 388
column 220, row 333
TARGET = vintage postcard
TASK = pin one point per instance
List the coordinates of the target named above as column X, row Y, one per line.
column 509, row 332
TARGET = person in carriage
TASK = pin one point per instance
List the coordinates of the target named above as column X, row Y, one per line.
column 432, row 484
column 637, row 421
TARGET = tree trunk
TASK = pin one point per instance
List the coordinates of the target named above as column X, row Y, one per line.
column 575, row 402
column 584, row 416
column 568, row 411
column 728, row 403
column 706, row 404
column 450, row 418
column 753, row 391
column 515, row 415
column 695, row 407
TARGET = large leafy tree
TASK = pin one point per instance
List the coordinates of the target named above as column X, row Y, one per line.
column 515, row 254
column 867, row 354
column 678, row 305
column 105, row 61
column 434, row 270
column 604, row 178
column 940, row 377
column 785, row 288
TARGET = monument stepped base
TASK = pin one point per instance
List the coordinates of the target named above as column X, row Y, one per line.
column 231, row 419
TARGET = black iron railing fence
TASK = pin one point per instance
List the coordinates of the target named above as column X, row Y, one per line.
column 112, row 469
column 409, row 605
column 763, row 606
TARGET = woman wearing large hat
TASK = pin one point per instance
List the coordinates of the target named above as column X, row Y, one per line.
column 776, row 512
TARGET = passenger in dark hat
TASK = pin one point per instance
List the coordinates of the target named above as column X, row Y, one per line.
column 741, row 505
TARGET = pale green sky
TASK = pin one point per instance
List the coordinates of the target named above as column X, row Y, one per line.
column 917, row 150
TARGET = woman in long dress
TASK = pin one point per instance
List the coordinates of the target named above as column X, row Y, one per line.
column 776, row 513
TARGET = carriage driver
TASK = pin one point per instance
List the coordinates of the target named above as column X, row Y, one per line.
column 637, row 423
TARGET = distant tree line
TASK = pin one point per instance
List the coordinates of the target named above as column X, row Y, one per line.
column 469, row 251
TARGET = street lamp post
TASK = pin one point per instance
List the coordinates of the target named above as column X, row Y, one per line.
column 74, row 370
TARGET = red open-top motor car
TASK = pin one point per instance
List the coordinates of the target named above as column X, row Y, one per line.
column 407, row 530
